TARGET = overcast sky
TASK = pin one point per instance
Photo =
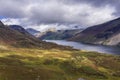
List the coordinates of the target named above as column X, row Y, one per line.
column 43, row 14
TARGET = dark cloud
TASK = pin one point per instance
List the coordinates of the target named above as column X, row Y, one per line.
column 37, row 12
column 94, row 2
column 98, row 3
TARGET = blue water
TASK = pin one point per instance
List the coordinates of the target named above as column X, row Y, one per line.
column 88, row 47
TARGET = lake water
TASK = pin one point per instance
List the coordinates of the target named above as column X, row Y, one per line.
column 88, row 47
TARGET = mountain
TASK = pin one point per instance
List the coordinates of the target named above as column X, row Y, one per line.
column 107, row 34
column 58, row 34
column 32, row 31
column 19, row 29
column 16, row 36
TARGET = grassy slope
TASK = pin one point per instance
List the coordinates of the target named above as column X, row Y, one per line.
column 54, row 64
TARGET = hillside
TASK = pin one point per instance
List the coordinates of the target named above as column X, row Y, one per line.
column 107, row 34
column 19, row 29
column 59, row 34
column 16, row 38
column 54, row 64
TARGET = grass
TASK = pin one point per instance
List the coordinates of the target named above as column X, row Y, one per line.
column 56, row 64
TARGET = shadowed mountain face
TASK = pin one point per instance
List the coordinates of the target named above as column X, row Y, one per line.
column 19, row 29
column 17, row 37
column 107, row 33
column 1, row 24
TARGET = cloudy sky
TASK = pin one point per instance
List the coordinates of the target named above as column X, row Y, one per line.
column 61, row 14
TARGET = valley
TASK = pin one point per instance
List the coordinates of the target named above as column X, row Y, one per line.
column 60, row 40
column 23, row 56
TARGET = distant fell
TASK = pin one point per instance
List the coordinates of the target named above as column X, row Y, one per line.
column 107, row 34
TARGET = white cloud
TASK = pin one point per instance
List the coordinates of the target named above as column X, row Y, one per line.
column 11, row 21
column 44, row 27
column 99, row 15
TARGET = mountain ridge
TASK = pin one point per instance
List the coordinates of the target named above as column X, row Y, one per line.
column 17, row 36
column 58, row 34
column 101, row 34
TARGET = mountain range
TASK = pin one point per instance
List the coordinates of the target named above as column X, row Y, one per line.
column 17, row 36
column 58, row 34
column 106, row 34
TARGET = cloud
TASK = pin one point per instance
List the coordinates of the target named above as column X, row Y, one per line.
column 51, row 12
column 44, row 27
column 10, row 21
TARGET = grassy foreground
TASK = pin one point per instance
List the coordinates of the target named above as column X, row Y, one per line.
column 55, row 64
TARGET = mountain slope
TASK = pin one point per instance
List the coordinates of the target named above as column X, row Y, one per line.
column 107, row 33
column 54, row 64
column 16, row 38
column 1, row 24
column 19, row 29
column 59, row 34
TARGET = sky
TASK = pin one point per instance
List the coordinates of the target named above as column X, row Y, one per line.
column 59, row 14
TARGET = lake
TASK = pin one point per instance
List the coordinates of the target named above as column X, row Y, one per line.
column 88, row 47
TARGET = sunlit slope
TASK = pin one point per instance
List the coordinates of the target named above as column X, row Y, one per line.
column 54, row 64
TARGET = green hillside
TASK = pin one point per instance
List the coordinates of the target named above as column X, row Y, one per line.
column 54, row 64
